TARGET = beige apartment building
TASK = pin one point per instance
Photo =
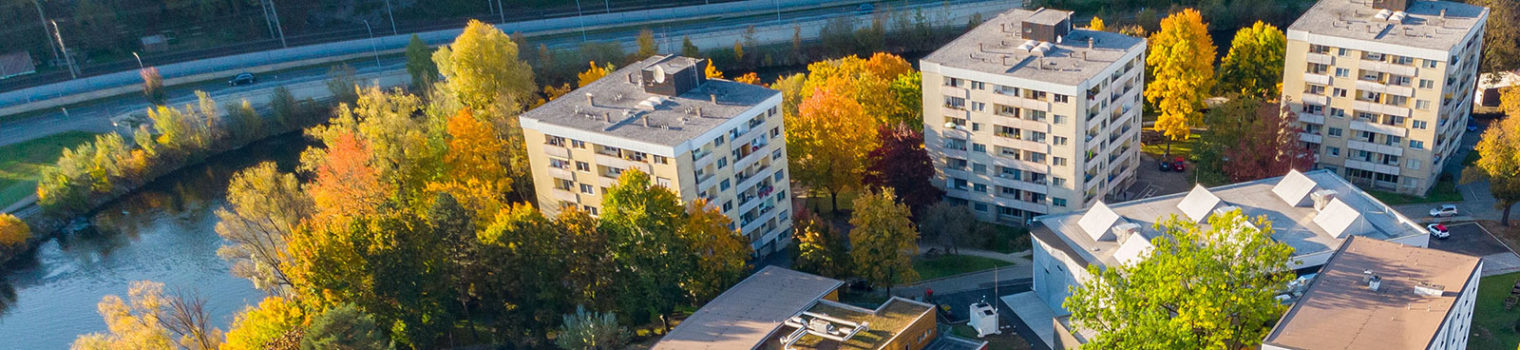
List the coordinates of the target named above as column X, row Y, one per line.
column 701, row 138
column 1383, row 88
column 1025, row 115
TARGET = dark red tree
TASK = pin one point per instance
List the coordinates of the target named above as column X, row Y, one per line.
column 1268, row 147
column 901, row 163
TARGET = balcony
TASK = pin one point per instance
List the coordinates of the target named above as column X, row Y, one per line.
column 565, row 196
column 1397, row 150
column 561, row 173
column 621, row 164
column 1311, row 138
column 1320, row 58
column 1317, row 78
column 1010, row 182
column 1379, row 128
column 1315, row 99
column 1019, row 123
column 1373, row 167
column 1311, row 118
column 1385, row 67
column 1367, row 106
column 556, row 151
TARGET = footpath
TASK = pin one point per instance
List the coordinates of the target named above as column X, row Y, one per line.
column 1022, row 269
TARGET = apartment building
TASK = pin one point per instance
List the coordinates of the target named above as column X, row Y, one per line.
column 714, row 139
column 1313, row 212
column 1383, row 295
column 1025, row 115
column 1384, row 88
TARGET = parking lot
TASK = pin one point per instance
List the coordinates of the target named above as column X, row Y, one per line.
column 1469, row 239
column 1151, row 181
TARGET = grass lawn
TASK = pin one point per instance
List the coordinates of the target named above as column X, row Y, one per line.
column 1179, row 148
column 950, row 265
column 1003, row 341
column 1493, row 327
column 1444, row 192
column 22, row 163
column 1009, row 239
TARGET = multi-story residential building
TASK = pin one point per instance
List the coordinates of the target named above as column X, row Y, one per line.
column 1383, row 88
column 1312, row 212
column 1383, row 295
column 1025, row 115
column 713, row 139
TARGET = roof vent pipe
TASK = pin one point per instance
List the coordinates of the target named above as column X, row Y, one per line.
column 645, row 119
column 713, row 97
column 590, row 99
column 1374, row 283
column 1443, row 13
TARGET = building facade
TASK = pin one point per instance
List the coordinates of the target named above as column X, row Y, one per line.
column 1383, row 89
column 710, row 139
column 1025, row 115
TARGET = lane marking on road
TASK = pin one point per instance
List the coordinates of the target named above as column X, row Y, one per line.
column 1495, row 237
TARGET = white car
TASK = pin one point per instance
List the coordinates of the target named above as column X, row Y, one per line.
column 1444, row 210
column 1438, row 231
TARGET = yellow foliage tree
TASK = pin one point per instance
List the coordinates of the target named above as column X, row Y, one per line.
column 1499, row 156
column 883, row 240
column 483, row 68
column 256, row 328
column 1096, row 24
column 594, row 73
column 1181, row 61
column 749, row 78
column 477, row 176
column 13, row 232
column 829, row 140
column 150, row 321
column 712, row 71
column 722, row 253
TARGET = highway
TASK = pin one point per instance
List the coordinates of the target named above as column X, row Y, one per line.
column 308, row 82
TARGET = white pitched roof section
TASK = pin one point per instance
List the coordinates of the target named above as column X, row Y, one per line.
column 1135, row 248
column 1097, row 221
column 1294, row 188
column 1198, row 203
column 1341, row 220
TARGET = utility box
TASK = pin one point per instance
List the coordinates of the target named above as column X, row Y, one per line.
column 984, row 318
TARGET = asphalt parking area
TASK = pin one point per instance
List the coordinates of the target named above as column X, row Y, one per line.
column 1151, row 181
column 1469, row 239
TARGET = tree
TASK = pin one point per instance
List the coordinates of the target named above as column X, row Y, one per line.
column 883, row 241
column 1181, row 64
column 1268, row 146
column 419, row 63
column 952, row 226
column 186, row 315
column 345, row 327
column 1096, row 24
column 264, row 207
column 712, row 71
column 477, row 174
column 1501, row 36
column 722, row 253
column 829, row 141
column 590, row 266
column 522, row 250
column 1202, row 286
column 647, row 46
column 908, row 93
column 483, row 69
column 739, row 51
column 791, row 93
column 688, row 49
column 342, row 83
column 153, row 86
column 149, row 320
column 585, row 330
column 1255, row 62
column 902, row 164
column 13, row 235
column 642, row 221
column 1497, row 156
column 593, row 73
column 346, row 184
column 820, row 248
column 751, row 78
column 256, row 328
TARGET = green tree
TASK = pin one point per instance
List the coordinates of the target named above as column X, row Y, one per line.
column 343, row 83
column 419, row 63
column 820, row 248
column 522, row 252
column 952, row 226
column 483, row 69
column 1497, row 156
column 643, row 222
column 647, row 46
column 688, row 49
column 1202, row 287
column 1501, row 36
column 590, row 267
column 1181, row 65
column 344, row 327
column 908, row 93
column 585, row 330
column 1255, row 62
column 883, row 242
column 264, row 207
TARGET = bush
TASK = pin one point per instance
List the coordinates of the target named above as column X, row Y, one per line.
column 13, row 235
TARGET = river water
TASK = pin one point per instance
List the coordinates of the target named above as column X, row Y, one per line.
column 163, row 233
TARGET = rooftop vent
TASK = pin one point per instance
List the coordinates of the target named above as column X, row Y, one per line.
column 1126, row 229
column 1097, row 221
column 1375, row 283
column 1322, row 198
column 1383, row 14
column 1294, row 187
column 1428, row 289
column 1046, row 25
column 1198, row 203
column 1398, row 16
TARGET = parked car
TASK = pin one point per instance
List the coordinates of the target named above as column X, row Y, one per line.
column 1165, row 166
column 1438, row 231
column 1472, row 126
column 865, row 8
column 1179, row 164
column 244, row 78
column 1444, row 210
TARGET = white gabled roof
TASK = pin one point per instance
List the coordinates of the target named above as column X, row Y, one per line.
column 1294, row 188
column 1341, row 220
column 1198, row 203
column 1134, row 249
column 1097, row 221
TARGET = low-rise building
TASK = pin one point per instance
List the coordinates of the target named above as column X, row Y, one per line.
column 712, row 139
column 1383, row 295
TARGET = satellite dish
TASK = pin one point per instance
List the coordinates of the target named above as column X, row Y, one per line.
column 659, row 75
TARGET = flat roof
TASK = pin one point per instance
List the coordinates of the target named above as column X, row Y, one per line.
column 615, row 111
column 744, row 316
column 1340, row 311
column 1421, row 27
column 883, row 323
column 1294, row 224
column 994, row 47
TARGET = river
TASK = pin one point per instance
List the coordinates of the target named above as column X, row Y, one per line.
column 164, row 233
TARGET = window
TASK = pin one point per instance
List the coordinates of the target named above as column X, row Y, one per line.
column 722, row 162
column 1058, row 119
column 582, row 166
column 585, row 188
column 978, row 106
column 1313, row 109
column 1397, row 100
column 558, row 163
column 1342, row 52
column 1059, row 98
column 1335, row 132
column 554, row 140
column 1427, row 83
column 979, row 206
column 1319, row 49
column 1422, row 104
column 955, row 102
column 779, row 175
column 723, row 185
column 776, row 154
column 1342, row 72
column 1372, row 56
column 979, row 168
column 1417, row 124
column 1368, row 75
column 1404, row 60
column 1399, row 80
column 979, row 147
column 1058, row 181
column 1058, row 140
column 955, row 82
column 661, row 160
column 1416, row 144
column 1430, row 63
column 1316, row 68
column 977, row 85
column 776, row 131
column 982, row 188
column 1314, row 89
column 1339, row 92
column 578, row 143
column 1337, row 112
column 1333, row 151
column 1036, row 157
column 729, row 205
column 1059, row 202
column 1057, row 161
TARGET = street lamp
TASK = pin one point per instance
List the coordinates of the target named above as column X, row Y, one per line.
column 372, row 47
column 67, row 60
column 139, row 60
column 580, row 17
column 42, row 18
column 392, row 15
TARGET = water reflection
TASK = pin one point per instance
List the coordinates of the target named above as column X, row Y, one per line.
column 164, row 233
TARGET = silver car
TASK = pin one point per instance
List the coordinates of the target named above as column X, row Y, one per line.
column 1444, row 210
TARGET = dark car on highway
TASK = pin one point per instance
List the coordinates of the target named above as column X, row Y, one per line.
column 241, row 79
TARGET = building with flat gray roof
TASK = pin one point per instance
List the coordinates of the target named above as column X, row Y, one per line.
column 1312, row 212
column 1027, row 115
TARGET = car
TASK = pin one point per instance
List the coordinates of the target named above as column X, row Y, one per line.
column 865, row 8
column 1165, row 166
column 244, row 78
column 1438, row 231
column 1179, row 164
column 1472, row 126
column 1444, row 210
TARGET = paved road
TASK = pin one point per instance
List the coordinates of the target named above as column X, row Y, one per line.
column 1478, row 202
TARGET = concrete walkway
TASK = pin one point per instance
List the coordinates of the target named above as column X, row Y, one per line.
column 1035, row 315
column 1022, row 269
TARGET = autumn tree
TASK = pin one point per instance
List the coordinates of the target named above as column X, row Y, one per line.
column 791, row 93
column 477, row 174
column 345, row 327
column 483, row 68
column 951, row 226
column 346, row 184
column 820, row 248
column 150, row 320
column 419, row 63
column 751, row 78
column 712, row 72
column 643, row 223
column 153, row 86
column 1201, row 287
column 1268, row 145
column 522, row 252
column 264, row 207
column 647, row 46
column 688, row 49
column 255, row 328
column 907, row 92
column 1501, row 36
column 586, row 330
column 829, row 141
column 884, row 241
column 902, row 164
column 593, row 73
column 1255, row 62
column 1096, row 24
column 1498, row 162
column 1181, row 65
column 722, row 253
column 13, row 235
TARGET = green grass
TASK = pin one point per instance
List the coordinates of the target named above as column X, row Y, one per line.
column 1493, row 327
column 1179, row 148
column 23, row 162
column 950, row 265
column 1444, row 192
column 1009, row 239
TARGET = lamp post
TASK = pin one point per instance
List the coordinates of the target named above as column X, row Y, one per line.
column 42, row 18
column 67, row 60
column 372, row 47
column 139, row 60
column 392, row 15
column 580, row 17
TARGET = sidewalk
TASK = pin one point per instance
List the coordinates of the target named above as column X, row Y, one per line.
column 1021, row 270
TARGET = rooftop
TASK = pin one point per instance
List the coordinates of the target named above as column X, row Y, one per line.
column 1416, row 288
column 884, row 323
column 1421, row 26
column 1100, row 235
column 619, row 106
column 747, row 314
column 997, row 47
